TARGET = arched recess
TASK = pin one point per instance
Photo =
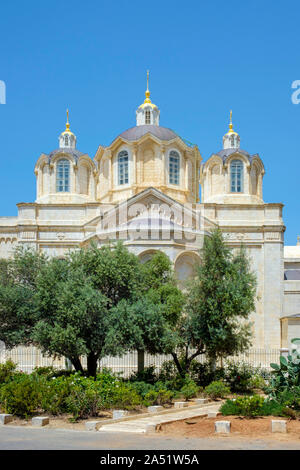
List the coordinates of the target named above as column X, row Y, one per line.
column 147, row 255
column 185, row 266
column 149, row 165
column 253, row 179
column 84, row 178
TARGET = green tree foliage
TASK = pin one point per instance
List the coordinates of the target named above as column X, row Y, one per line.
column 78, row 299
column 150, row 323
column 219, row 302
column 17, row 289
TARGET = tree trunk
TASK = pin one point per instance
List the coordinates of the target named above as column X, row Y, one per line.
column 92, row 360
column 77, row 364
column 177, row 363
column 141, row 360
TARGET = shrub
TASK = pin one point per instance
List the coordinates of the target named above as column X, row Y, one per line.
column 244, row 406
column 150, row 398
column 202, row 374
column 216, row 389
column 55, row 392
column 189, row 389
column 239, row 376
column 158, row 397
column 21, row 396
column 83, row 403
column 290, row 398
column 124, row 396
column 257, row 382
column 47, row 371
column 147, row 375
column 142, row 388
column 7, row 371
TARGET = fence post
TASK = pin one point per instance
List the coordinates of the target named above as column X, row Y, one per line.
column 141, row 360
column 68, row 364
column 284, row 352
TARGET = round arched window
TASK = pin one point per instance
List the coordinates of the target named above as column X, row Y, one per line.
column 63, row 176
column 123, row 167
column 174, row 167
column 236, row 176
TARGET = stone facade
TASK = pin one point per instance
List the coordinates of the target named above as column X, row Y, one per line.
column 144, row 189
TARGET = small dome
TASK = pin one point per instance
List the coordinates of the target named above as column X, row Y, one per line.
column 147, row 113
column 67, row 139
column 231, row 140
column 135, row 133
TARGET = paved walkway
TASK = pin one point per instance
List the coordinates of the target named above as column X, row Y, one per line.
column 140, row 425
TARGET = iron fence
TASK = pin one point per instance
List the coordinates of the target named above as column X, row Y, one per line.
column 27, row 358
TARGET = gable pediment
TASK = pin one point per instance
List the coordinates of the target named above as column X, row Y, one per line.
column 147, row 211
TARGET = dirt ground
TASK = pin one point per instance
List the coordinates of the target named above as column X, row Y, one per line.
column 256, row 428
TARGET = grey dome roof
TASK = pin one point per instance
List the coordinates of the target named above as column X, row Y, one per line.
column 225, row 153
column 75, row 153
column 135, row 133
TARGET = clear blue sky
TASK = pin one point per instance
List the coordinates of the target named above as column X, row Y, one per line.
column 205, row 58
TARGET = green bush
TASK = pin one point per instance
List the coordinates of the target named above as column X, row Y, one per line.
column 257, row 406
column 216, row 389
column 47, row 371
column 150, row 398
column 202, row 374
column 158, row 397
column 290, row 398
column 84, row 403
column 147, row 375
column 142, row 388
column 242, row 377
column 190, row 389
column 124, row 396
column 7, row 371
column 21, row 396
column 55, row 392
column 244, row 406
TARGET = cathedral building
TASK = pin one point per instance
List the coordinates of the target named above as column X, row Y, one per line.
column 144, row 189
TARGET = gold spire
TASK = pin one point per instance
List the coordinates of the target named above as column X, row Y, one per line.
column 298, row 240
column 67, row 123
column 147, row 101
column 230, row 123
column 147, row 93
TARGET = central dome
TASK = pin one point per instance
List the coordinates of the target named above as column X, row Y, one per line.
column 135, row 133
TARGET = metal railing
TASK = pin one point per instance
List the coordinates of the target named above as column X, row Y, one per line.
column 27, row 358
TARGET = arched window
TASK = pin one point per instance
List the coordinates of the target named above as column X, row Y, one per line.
column 66, row 140
column 123, row 167
column 148, row 117
column 236, row 176
column 63, row 176
column 174, row 167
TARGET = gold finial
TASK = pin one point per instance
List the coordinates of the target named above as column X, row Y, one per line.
column 230, row 123
column 147, row 93
column 298, row 240
column 67, row 123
